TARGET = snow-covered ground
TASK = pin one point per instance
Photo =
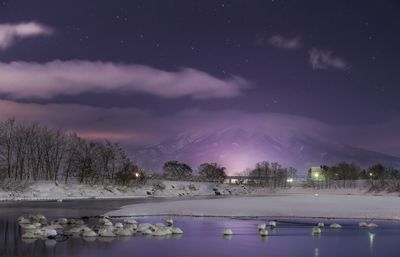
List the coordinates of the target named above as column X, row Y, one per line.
column 46, row 190
column 292, row 205
column 50, row 191
column 243, row 201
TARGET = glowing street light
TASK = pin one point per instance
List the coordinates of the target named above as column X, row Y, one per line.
column 316, row 175
column 289, row 180
column 137, row 175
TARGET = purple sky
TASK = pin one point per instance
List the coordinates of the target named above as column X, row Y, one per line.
column 143, row 71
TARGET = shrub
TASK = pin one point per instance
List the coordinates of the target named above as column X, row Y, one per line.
column 129, row 174
column 177, row 170
column 212, row 172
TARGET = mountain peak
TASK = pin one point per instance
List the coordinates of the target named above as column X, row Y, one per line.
column 239, row 148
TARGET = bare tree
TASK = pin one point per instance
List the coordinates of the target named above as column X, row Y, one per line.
column 35, row 152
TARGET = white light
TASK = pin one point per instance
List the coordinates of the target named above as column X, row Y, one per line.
column 289, row 180
column 371, row 237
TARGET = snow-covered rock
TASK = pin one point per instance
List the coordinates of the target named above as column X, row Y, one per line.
column 263, row 232
column 105, row 232
column 372, row 225
column 176, row 230
column 89, row 233
column 144, row 226
column 228, row 232
column 29, row 235
column 261, row 226
column 316, row 230
column 147, row 232
column 28, row 226
column 124, row 232
column 272, row 224
column 118, row 225
column 48, row 232
column 335, row 226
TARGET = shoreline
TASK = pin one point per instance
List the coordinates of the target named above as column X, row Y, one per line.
column 275, row 218
column 48, row 191
column 194, row 197
column 41, row 199
column 284, row 206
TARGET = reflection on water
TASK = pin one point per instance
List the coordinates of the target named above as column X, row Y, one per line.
column 371, row 237
column 203, row 237
column 316, row 252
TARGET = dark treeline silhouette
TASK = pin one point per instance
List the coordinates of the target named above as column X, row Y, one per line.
column 264, row 174
column 182, row 171
column 378, row 177
column 271, row 174
column 36, row 152
column 351, row 171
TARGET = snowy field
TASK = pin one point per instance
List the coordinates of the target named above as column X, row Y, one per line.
column 244, row 201
column 290, row 206
column 154, row 188
column 50, row 191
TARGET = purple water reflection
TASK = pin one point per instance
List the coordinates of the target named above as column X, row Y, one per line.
column 203, row 237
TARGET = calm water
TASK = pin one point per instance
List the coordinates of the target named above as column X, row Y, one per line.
column 202, row 236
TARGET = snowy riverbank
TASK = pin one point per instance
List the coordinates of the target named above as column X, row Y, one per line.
column 50, row 191
column 293, row 202
column 244, row 201
column 288, row 206
column 154, row 188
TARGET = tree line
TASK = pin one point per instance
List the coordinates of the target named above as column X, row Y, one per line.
column 36, row 152
column 271, row 174
column 264, row 174
column 205, row 172
column 377, row 177
column 352, row 171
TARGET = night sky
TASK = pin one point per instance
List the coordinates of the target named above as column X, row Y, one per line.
column 142, row 71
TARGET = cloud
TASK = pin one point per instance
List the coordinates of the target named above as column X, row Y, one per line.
column 285, row 43
column 322, row 59
column 20, row 80
column 9, row 33
column 130, row 125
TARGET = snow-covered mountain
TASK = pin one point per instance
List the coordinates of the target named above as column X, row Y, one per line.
column 239, row 148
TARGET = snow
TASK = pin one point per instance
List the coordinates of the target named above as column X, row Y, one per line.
column 45, row 190
column 288, row 206
column 243, row 201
